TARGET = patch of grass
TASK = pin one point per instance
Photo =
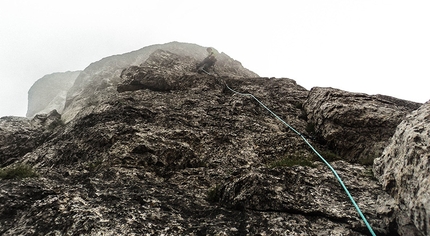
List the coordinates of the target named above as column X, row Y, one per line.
column 213, row 194
column 292, row 160
column 330, row 156
column 17, row 172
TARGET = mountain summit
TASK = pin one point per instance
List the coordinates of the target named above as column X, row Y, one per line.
column 145, row 145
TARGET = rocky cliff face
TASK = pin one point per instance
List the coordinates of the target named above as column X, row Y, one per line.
column 151, row 147
column 356, row 126
column 19, row 135
column 49, row 93
column 404, row 169
column 99, row 80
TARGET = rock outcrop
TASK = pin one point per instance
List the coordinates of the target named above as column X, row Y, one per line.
column 99, row 80
column 149, row 147
column 404, row 170
column 49, row 93
column 19, row 135
column 356, row 126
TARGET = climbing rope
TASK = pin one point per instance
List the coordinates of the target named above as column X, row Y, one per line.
column 313, row 149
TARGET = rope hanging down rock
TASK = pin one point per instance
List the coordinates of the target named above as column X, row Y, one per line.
column 314, row 150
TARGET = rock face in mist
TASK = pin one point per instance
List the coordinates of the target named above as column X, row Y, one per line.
column 49, row 93
column 99, row 80
column 404, row 170
column 356, row 125
column 150, row 147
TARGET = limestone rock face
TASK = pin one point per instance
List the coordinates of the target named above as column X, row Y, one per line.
column 404, row 170
column 151, row 147
column 310, row 193
column 356, row 125
column 49, row 93
column 100, row 79
column 148, row 160
column 19, row 135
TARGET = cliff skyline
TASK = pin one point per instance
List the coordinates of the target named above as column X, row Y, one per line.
column 368, row 47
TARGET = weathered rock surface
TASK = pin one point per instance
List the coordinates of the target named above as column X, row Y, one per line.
column 313, row 195
column 19, row 135
column 152, row 148
column 49, row 93
column 404, row 170
column 356, row 126
column 99, row 80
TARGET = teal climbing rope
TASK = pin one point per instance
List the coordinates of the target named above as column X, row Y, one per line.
column 316, row 152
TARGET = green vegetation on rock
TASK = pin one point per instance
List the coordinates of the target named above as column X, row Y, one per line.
column 19, row 171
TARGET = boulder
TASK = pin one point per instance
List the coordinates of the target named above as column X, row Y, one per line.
column 356, row 126
column 404, row 169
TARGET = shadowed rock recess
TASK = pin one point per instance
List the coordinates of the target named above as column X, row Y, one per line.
column 146, row 146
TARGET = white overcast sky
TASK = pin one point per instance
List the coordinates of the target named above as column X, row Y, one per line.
column 370, row 46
